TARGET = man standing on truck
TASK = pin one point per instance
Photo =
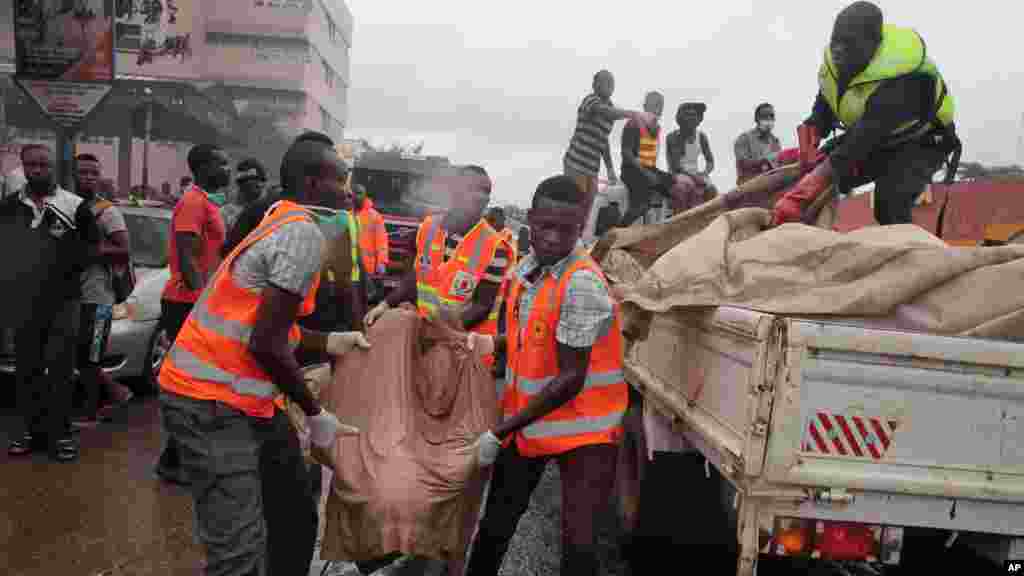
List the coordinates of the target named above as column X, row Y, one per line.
column 589, row 145
column 683, row 150
column 757, row 149
column 640, row 170
column 224, row 382
column 460, row 260
column 879, row 86
column 565, row 395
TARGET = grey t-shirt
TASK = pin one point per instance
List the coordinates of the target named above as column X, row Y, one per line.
column 289, row 258
column 97, row 283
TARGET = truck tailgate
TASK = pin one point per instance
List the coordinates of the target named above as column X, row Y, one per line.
column 900, row 412
column 712, row 371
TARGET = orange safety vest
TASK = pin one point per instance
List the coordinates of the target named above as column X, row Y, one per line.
column 373, row 238
column 210, row 360
column 594, row 416
column 452, row 282
column 648, row 153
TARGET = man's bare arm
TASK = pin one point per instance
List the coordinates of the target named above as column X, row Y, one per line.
column 572, row 375
column 709, row 158
column 406, row 291
column 481, row 304
column 269, row 346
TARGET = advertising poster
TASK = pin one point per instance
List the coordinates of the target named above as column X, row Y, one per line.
column 64, row 40
column 157, row 38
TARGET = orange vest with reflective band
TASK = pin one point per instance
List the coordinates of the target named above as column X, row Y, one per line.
column 210, row 360
column 594, row 416
column 452, row 283
column 373, row 238
column 648, row 154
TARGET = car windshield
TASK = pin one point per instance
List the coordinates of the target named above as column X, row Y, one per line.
column 149, row 237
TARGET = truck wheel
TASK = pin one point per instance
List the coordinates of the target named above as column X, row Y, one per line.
column 159, row 345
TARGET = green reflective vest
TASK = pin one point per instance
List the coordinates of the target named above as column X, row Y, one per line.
column 901, row 53
column 338, row 222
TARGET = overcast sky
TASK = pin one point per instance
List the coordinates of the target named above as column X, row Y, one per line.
column 498, row 83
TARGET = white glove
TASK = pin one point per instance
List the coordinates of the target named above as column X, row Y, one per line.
column 324, row 429
column 341, row 343
column 486, row 448
column 481, row 344
column 376, row 313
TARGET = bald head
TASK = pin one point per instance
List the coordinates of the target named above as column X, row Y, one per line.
column 654, row 103
column 855, row 37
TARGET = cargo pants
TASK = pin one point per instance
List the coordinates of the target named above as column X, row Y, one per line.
column 254, row 509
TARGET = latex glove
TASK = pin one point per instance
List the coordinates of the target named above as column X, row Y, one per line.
column 324, row 429
column 486, row 447
column 341, row 343
column 482, row 344
column 790, row 207
column 376, row 313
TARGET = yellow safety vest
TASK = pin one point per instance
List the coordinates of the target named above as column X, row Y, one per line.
column 901, row 53
column 648, row 153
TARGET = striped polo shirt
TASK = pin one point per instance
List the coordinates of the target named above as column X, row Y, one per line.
column 590, row 138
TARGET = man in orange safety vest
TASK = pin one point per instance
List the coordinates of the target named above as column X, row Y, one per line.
column 565, row 395
column 224, row 381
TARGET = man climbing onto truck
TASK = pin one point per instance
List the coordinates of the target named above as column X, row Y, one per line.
column 878, row 85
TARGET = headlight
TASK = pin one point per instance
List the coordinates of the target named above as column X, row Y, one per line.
column 128, row 309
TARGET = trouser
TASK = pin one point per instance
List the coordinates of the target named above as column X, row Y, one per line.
column 254, row 511
column 172, row 318
column 587, row 475
column 641, row 191
column 93, row 333
column 900, row 176
column 587, row 184
column 45, row 356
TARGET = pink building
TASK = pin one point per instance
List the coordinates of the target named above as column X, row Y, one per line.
column 251, row 74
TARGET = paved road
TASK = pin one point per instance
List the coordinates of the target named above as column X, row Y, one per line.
column 107, row 515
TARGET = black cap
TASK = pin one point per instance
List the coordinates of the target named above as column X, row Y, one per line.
column 699, row 106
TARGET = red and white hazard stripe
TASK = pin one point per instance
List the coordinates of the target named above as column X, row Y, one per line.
column 829, row 433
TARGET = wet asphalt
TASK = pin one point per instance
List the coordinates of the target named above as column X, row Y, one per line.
column 107, row 514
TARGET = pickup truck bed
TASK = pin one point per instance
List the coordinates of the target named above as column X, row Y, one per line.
column 830, row 421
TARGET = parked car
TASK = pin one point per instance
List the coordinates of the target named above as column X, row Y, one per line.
column 136, row 346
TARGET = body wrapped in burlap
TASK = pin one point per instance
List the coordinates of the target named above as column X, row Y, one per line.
column 417, row 396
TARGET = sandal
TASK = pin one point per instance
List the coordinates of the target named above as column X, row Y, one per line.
column 20, row 447
column 65, row 450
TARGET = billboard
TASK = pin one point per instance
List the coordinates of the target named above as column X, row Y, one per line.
column 64, row 40
column 158, row 38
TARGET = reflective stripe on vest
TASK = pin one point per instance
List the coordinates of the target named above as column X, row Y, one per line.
column 648, row 150
column 594, row 415
column 353, row 234
column 901, row 53
column 429, row 258
column 210, row 358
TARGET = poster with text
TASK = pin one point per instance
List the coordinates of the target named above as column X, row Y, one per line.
column 158, row 38
column 66, row 103
column 65, row 40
